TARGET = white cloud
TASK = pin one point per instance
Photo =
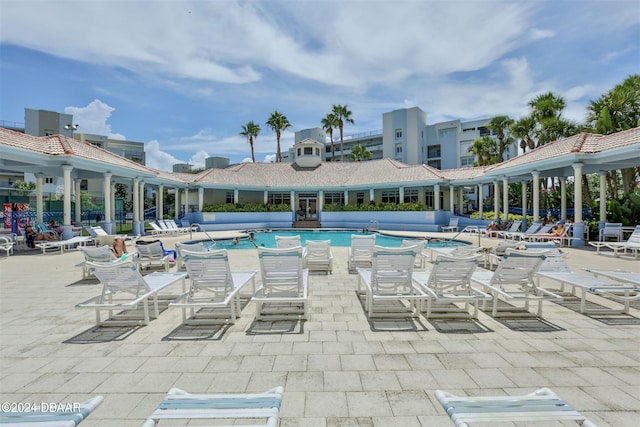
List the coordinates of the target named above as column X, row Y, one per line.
column 269, row 158
column 158, row 159
column 198, row 159
column 93, row 119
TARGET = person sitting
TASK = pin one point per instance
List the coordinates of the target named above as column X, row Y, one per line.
column 53, row 225
column 32, row 235
column 493, row 227
column 119, row 247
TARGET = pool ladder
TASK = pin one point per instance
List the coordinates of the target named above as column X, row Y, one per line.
column 201, row 229
column 373, row 225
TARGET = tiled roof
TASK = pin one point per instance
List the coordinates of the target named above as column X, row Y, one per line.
column 584, row 143
column 328, row 174
column 59, row 145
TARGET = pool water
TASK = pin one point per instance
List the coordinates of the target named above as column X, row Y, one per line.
column 337, row 238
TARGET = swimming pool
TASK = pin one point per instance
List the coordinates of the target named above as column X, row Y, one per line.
column 337, row 238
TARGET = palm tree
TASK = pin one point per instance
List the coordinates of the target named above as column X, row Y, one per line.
column 498, row 125
column 546, row 109
column 486, row 149
column 359, row 153
column 523, row 130
column 343, row 115
column 328, row 124
column 615, row 111
column 251, row 131
column 278, row 122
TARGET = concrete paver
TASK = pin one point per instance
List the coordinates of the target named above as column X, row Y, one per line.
column 338, row 368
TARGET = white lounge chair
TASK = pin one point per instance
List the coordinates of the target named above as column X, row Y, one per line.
column 610, row 230
column 449, row 282
column 390, row 279
column 157, row 230
column 284, row 290
column 214, row 295
column 621, row 275
column 420, row 257
column 253, row 407
column 506, row 234
column 97, row 254
column 361, row 251
column 285, row 242
column 537, row 407
column 6, row 244
column 58, row 415
column 318, row 256
column 521, row 235
column 632, row 244
column 124, row 288
column 453, row 225
column 193, row 247
column 153, row 253
column 171, row 223
column 513, row 280
column 556, row 269
column 543, row 230
column 62, row 244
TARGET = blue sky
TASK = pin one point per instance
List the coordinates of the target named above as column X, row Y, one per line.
column 184, row 76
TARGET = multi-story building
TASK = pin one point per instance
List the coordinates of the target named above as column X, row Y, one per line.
column 406, row 137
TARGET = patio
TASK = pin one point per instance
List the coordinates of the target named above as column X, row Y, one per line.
column 338, row 369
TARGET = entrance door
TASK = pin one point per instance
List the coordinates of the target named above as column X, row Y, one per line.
column 308, row 204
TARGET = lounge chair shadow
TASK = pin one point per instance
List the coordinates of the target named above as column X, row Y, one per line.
column 573, row 304
column 102, row 334
column 272, row 327
column 459, row 326
column 399, row 324
column 522, row 320
column 89, row 281
column 207, row 332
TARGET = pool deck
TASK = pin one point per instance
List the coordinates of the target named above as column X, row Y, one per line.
column 338, row 369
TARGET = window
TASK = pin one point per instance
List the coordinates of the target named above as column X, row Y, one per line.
column 308, row 151
column 317, row 151
column 433, row 151
column 229, row 197
column 299, row 152
column 447, row 133
column 336, row 198
column 360, row 197
column 279, row 198
column 84, row 185
column 466, row 162
column 398, row 148
column 428, row 199
column 49, row 132
column 435, row 164
column 391, row 196
column 398, row 133
column 411, row 195
column 49, row 180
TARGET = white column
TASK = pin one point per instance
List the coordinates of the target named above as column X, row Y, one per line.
column 113, row 206
column 39, row 201
column 186, row 201
column 578, row 225
column 320, row 202
column 141, row 207
column 603, row 198
column 201, row 199
column 535, row 187
column 236, row 196
column 480, row 200
column 160, row 202
column 176, row 208
column 524, row 225
column 136, row 207
column 505, row 198
column 78, row 197
column 67, row 231
column 346, row 197
column 401, row 194
column 436, row 197
column 266, row 197
column 563, row 198
column 452, row 198
column 292, row 196
column 372, row 194
column 496, row 201
column 106, row 193
column 577, row 203
column 461, row 200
